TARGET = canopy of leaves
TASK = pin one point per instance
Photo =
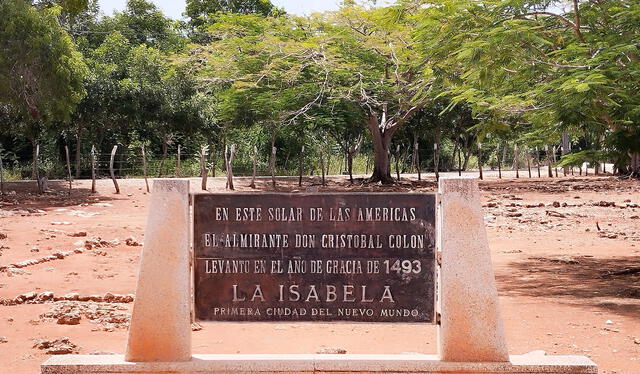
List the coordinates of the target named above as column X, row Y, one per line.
column 41, row 71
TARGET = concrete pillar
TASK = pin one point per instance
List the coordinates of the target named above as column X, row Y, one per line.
column 471, row 327
column 160, row 323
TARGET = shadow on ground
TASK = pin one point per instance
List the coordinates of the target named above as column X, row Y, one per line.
column 609, row 283
column 24, row 195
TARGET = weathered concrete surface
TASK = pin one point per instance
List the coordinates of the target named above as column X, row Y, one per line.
column 471, row 329
column 241, row 363
column 160, row 323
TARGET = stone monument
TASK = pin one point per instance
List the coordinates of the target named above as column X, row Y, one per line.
column 365, row 257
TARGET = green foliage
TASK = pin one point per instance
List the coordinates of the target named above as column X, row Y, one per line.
column 41, row 71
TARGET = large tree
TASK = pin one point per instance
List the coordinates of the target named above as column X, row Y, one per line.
column 287, row 67
column 41, row 71
column 562, row 66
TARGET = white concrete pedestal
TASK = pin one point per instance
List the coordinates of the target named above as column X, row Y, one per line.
column 334, row 364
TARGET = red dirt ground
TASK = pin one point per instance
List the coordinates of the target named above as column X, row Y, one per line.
column 565, row 272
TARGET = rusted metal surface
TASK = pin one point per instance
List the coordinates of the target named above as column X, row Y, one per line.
column 360, row 257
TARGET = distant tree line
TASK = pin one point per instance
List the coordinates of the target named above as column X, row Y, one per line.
column 416, row 85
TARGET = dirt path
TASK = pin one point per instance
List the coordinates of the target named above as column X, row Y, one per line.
column 565, row 253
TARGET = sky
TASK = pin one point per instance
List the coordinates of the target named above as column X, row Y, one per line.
column 174, row 8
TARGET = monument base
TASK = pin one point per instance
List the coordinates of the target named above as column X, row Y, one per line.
column 535, row 362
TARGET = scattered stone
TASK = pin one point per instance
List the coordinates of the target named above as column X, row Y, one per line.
column 553, row 213
column 556, row 204
column 109, row 316
column 77, row 234
column 195, row 326
column 636, row 340
column 60, row 223
column 60, row 346
column 69, row 319
column 605, row 203
column 331, row 351
column 3, row 235
column 98, row 242
column 3, row 339
column 609, row 322
column 132, row 242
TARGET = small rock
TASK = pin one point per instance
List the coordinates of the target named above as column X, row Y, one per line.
column 60, row 346
column 3, row 339
column 69, row 319
column 331, row 351
column 556, row 204
column 77, row 234
column 609, row 322
column 73, row 296
column 132, row 242
column 196, row 326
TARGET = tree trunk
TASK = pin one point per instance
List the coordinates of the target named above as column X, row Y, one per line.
column 78, row 148
column 322, row 166
column 301, row 167
column 436, row 156
column 350, row 166
column 381, row 142
column 467, row 156
column 634, row 165
column 165, row 150
column 397, row 159
column 460, row 162
column 566, row 149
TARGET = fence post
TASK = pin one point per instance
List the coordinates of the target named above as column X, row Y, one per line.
column 554, row 160
column 538, row 160
column 113, row 175
column 144, row 168
column 526, row 152
column 515, row 159
column 499, row 158
column 255, row 167
column 178, row 164
column 480, row 159
column 66, row 151
column 93, row 169
column 549, row 169
column 300, row 167
column 228, row 160
column 203, row 166
column 36, row 171
column 1, row 175
column 273, row 166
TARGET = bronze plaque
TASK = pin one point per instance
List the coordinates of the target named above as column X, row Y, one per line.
column 360, row 257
